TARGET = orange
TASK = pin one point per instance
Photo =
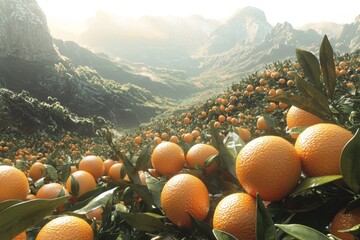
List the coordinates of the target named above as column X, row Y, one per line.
column 188, row 137
column 21, row 236
column 185, row 192
column 138, row 140
column 168, row 158
column 157, row 140
column 51, row 190
column 66, row 228
column 261, row 123
column 174, row 139
column 195, row 133
column 115, row 171
column 107, row 164
column 93, row 165
column 13, row 184
column 343, row 221
column 86, row 182
column 244, row 133
column 198, row 154
column 270, row 166
column 36, row 171
column 297, row 117
column 236, row 215
column 271, row 107
column 319, row 147
column 96, row 213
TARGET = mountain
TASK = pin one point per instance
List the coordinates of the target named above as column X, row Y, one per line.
column 279, row 43
column 166, row 42
column 331, row 29
column 162, row 82
column 24, row 32
column 348, row 39
column 30, row 62
column 247, row 27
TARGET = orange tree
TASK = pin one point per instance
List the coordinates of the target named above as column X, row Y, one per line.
column 131, row 204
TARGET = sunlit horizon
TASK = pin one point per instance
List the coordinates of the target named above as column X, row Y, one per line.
column 72, row 14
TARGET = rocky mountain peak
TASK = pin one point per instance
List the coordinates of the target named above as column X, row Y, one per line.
column 24, row 32
column 247, row 26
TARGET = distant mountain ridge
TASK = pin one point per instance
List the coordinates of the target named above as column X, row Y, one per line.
column 29, row 61
column 247, row 27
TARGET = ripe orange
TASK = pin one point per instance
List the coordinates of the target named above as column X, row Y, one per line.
column 188, row 137
column 185, row 192
column 168, row 158
column 261, row 123
column 62, row 228
column 271, row 107
column 138, row 140
column 198, row 154
column 107, row 164
column 195, row 133
column 270, row 166
column 93, row 165
column 115, row 171
column 86, row 182
column 297, row 117
column 51, row 190
column 21, row 236
column 244, row 133
column 36, row 170
column 96, row 213
column 157, row 140
column 13, row 184
column 236, row 214
column 174, row 139
column 319, row 147
column 343, row 221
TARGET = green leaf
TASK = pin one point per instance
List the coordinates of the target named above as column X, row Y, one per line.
column 318, row 99
column 143, row 160
column 99, row 201
column 350, row 164
column 155, row 187
column 270, row 122
column 296, row 130
column 144, row 221
column 144, row 193
column 306, row 103
column 312, row 182
column 310, row 65
column 328, row 66
column 221, row 235
column 8, row 203
column 51, row 171
column 355, row 230
column 226, row 157
column 203, row 227
column 265, row 228
column 210, row 159
column 233, row 143
column 74, row 186
column 20, row 216
column 301, row 232
column 131, row 171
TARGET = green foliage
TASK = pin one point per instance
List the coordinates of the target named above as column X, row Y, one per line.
column 265, row 229
column 20, row 216
column 349, row 162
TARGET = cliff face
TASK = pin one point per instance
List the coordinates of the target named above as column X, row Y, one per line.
column 24, row 32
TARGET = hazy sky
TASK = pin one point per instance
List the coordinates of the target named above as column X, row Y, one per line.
column 295, row 12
